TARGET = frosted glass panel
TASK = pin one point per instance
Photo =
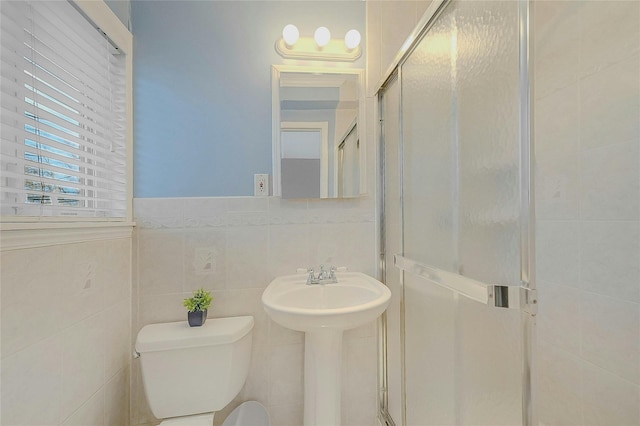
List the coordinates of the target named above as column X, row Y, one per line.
column 488, row 380
column 429, row 166
column 430, row 353
column 460, row 106
column 488, row 146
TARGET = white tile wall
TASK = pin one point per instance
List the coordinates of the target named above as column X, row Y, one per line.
column 559, row 316
column 26, row 275
column 560, row 385
column 587, row 136
column 608, row 399
column 66, row 328
column 82, row 356
column 253, row 240
column 610, row 253
column 91, row 413
column 32, row 384
column 117, row 408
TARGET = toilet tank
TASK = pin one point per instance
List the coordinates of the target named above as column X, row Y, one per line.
column 191, row 370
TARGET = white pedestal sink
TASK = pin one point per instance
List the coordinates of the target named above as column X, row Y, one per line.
column 323, row 312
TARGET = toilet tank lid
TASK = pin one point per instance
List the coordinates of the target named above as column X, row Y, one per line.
column 178, row 335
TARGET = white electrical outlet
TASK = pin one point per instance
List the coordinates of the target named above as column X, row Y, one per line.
column 260, row 185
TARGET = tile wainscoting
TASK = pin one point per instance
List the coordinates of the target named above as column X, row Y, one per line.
column 66, row 324
column 235, row 246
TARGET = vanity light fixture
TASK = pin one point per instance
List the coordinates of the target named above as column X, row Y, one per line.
column 320, row 47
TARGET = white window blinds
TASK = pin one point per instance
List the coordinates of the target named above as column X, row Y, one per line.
column 63, row 99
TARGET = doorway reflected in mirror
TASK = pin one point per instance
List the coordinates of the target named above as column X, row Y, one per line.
column 316, row 144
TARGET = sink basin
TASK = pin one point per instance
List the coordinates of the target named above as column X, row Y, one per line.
column 354, row 300
column 323, row 312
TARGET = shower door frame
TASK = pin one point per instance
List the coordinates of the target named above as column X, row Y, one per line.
column 383, row 377
column 526, row 214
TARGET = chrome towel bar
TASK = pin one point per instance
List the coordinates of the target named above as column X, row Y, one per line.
column 498, row 296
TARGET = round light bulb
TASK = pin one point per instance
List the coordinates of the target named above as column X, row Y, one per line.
column 290, row 34
column 322, row 36
column 352, row 39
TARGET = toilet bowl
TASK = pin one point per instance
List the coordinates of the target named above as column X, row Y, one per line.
column 189, row 373
column 250, row 413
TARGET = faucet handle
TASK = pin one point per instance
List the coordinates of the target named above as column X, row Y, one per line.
column 323, row 274
column 310, row 277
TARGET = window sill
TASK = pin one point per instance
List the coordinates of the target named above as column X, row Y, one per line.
column 24, row 235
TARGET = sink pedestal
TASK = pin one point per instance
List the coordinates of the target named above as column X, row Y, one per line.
column 322, row 377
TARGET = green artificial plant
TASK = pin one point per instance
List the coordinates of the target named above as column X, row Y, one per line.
column 200, row 300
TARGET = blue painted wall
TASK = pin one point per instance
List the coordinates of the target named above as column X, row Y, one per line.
column 202, row 88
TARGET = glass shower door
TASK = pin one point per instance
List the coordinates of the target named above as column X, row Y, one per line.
column 462, row 224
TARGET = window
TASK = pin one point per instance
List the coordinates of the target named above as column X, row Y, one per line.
column 64, row 114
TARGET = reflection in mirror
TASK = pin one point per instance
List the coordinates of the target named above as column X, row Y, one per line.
column 348, row 160
column 316, row 144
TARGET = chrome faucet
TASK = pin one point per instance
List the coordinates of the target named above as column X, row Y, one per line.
column 324, row 276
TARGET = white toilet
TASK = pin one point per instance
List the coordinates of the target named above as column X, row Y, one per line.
column 189, row 373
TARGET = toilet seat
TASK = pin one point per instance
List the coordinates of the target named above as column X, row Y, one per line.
column 195, row 420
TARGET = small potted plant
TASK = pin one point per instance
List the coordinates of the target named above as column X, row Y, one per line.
column 197, row 306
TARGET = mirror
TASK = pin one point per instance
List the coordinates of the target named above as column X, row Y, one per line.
column 317, row 123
